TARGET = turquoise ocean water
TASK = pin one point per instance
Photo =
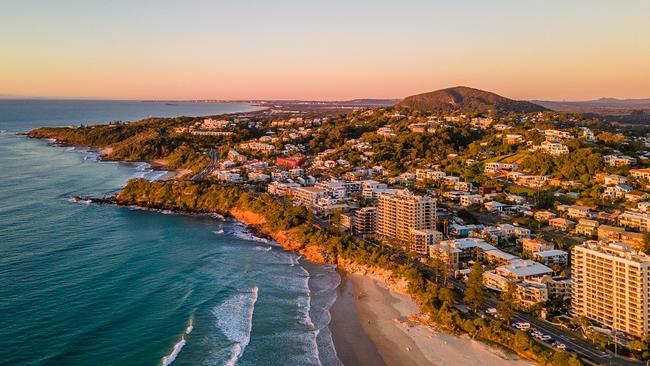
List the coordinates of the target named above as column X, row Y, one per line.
column 96, row 285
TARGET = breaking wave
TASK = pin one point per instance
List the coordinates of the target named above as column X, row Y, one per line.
column 167, row 360
column 242, row 232
column 234, row 318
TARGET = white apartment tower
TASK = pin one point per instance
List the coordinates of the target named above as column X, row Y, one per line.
column 610, row 285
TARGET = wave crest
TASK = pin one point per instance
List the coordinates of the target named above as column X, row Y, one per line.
column 234, row 317
column 167, row 360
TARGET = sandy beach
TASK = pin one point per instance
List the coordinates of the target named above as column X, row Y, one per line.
column 382, row 315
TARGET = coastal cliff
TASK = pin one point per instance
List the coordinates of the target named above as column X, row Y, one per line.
column 286, row 238
column 289, row 226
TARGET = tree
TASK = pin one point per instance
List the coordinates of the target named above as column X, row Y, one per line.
column 506, row 305
column 561, row 358
column 475, row 293
column 637, row 345
column 446, row 296
column 522, row 342
column 441, row 268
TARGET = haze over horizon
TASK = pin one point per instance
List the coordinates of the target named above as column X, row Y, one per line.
column 331, row 51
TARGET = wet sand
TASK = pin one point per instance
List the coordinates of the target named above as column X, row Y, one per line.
column 353, row 346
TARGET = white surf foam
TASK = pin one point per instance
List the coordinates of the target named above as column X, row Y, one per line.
column 241, row 231
column 217, row 216
column 167, row 360
column 235, row 320
column 154, row 175
column 141, row 167
column 264, row 249
column 218, row 232
column 78, row 200
column 295, row 260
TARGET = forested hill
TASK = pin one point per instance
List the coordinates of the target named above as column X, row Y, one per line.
column 467, row 100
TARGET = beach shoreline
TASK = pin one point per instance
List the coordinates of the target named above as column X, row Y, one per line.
column 365, row 304
column 353, row 346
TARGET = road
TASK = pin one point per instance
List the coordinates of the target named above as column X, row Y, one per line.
column 581, row 347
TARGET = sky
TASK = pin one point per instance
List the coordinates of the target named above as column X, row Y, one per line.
column 323, row 50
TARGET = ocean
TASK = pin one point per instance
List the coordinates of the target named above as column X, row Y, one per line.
column 85, row 284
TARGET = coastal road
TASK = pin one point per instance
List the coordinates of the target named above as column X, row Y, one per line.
column 583, row 348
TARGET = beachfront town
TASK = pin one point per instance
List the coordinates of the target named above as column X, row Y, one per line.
column 554, row 208
column 538, row 220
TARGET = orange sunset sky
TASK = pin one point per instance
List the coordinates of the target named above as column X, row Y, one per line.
column 323, row 49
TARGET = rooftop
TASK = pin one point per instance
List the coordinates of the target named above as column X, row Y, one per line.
column 551, row 253
column 525, row 268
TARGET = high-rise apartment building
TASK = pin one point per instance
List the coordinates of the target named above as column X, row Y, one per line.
column 610, row 285
column 400, row 212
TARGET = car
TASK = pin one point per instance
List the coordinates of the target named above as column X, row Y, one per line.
column 545, row 338
column 561, row 346
column 522, row 326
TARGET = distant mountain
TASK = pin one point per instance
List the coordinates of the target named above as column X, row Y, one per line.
column 603, row 106
column 467, row 100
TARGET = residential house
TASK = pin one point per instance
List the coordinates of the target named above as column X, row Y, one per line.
column 561, row 223
column 552, row 257
column 308, row 196
column 611, row 234
column 616, row 191
column 471, row 199
column 463, row 186
column 513, row 138
column 576, row 212
column 494, row 206
column 535, row 245
column 515, row 271
column 636, row 196
column 636, row 220
column 619, row 160
column 586, row 227
column 543, row 216
column 554, row 148
column 642, row 174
